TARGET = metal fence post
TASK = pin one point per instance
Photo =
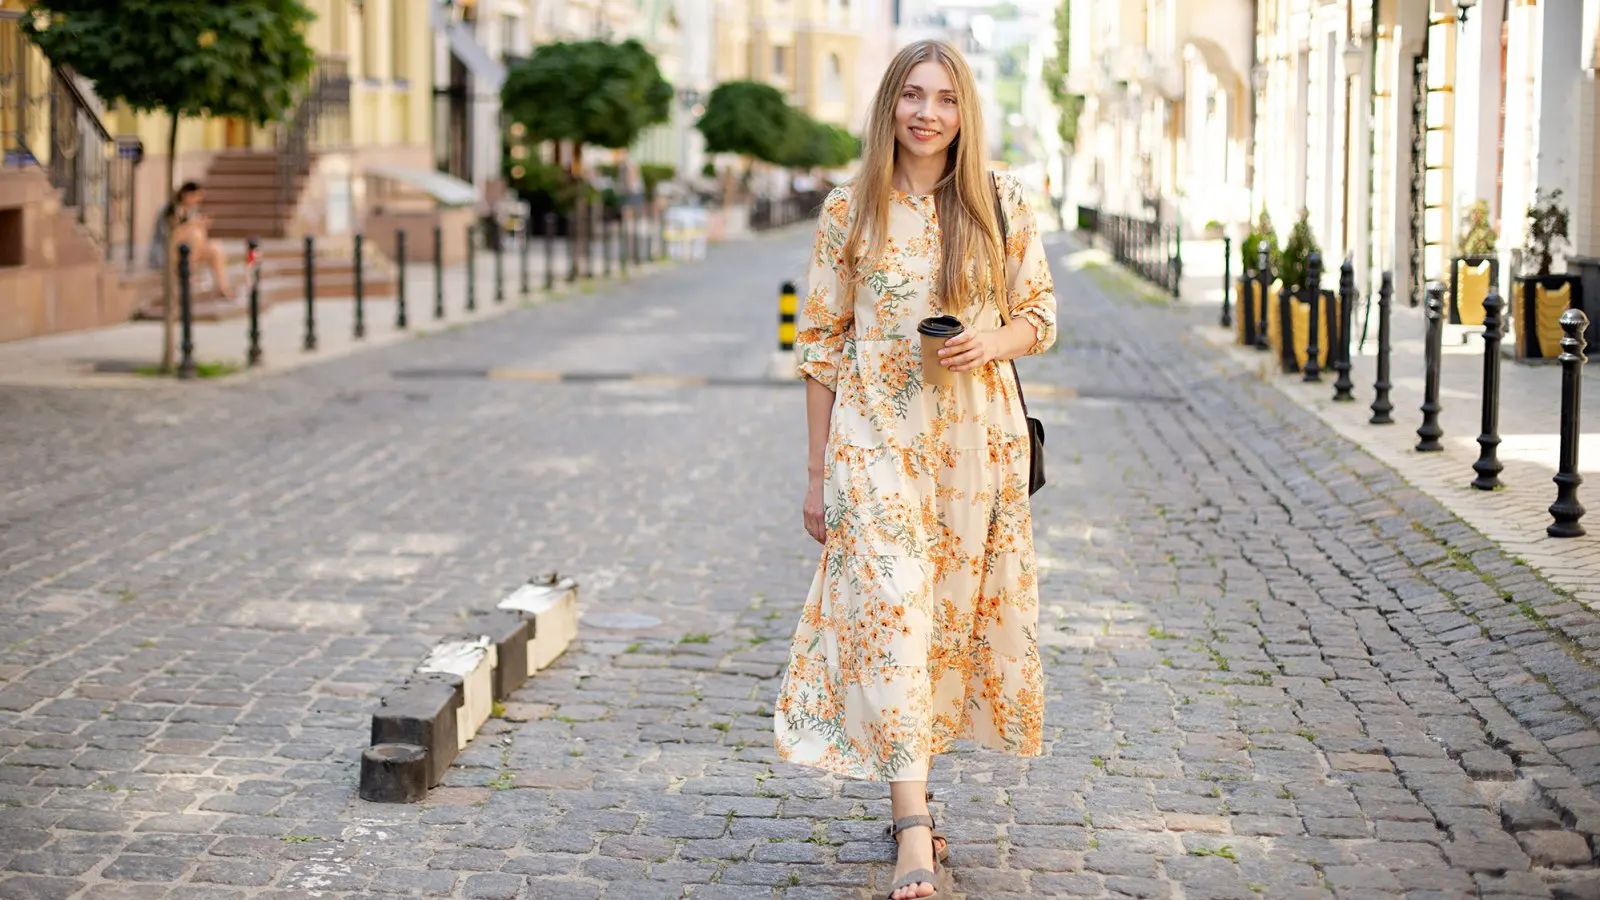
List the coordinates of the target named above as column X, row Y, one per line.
column 252, row 264
column 310, row 342
column 1227, row 282
column 186, row 364
column 1488, row 465
column 361, row 298
column 1430, row 430
column 400, row 320
column 1382, row 406
column 1567, row 511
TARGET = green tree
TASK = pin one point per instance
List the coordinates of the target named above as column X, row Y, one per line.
column 580, row 93
column 587, row 92
column 242, row 59
column 810, row 144
column 749, row 119
column 1294, row 268
column 1055, row 77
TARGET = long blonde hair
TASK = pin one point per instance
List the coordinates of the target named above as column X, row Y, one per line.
column 973, row 260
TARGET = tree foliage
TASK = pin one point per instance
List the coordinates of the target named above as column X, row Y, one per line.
column 1477, row 231
column 1055, row 77
column 1262, row 234
column 816, row 145
column 587, row 92
column 750, row 119
column 1295, row 267
column 241, row 59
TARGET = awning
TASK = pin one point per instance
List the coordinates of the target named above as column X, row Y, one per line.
column 466, row 48
column 448, row 190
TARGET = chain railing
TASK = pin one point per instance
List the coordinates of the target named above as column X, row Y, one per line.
column 46, row 120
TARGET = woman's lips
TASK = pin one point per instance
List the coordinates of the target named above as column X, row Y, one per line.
column 923, row 134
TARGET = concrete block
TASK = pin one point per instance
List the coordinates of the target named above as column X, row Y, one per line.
column 394, row 773
column 472, row 660
column 509, row 633
column 423, row 712
column 552, row 605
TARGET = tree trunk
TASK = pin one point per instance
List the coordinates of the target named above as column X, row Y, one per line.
column 582, row 221
column 169, row 277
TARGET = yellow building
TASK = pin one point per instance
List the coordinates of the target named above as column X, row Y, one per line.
column 810, row 49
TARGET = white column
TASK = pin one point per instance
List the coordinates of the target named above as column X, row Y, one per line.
column 1522, row 117
column 1556, row 161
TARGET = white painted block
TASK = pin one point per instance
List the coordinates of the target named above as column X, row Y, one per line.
column 553, row 607
column 474, row 662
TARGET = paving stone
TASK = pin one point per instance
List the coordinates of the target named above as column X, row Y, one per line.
column 1377, row 688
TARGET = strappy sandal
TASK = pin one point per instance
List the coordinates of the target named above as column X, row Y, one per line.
column 917, row 876
column 941, row 844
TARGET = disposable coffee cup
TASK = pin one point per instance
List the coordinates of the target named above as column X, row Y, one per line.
column 935, row 331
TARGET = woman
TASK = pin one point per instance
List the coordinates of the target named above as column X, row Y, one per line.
column 919, row 629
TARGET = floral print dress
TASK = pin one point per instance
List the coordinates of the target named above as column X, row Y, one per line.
column 920, row 628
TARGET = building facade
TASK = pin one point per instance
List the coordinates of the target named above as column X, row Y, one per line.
column 1384, row 122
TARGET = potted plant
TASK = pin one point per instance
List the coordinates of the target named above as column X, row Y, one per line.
column 1249, row 318
column 1474, row 267
column 1289, row 320
column 1545, row 295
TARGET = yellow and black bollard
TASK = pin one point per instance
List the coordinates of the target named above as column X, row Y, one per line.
column 788, row 305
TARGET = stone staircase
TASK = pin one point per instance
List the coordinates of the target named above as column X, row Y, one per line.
column 246, row 195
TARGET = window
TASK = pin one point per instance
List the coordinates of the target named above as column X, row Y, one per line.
column 780, row 62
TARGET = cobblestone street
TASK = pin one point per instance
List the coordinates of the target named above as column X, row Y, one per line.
column 1276, row 670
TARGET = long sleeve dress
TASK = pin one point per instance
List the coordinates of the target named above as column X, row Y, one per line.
column 920, row 627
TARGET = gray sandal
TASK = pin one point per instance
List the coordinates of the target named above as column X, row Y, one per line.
column 941, row 844
column 917, row 876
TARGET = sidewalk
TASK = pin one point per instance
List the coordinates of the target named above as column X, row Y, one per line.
column 1530, row 416
column 124, row 355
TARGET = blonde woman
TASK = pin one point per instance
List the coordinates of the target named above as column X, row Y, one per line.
column 919, row 629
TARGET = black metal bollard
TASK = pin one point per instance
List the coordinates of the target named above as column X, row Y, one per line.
column 605, row 242
column 1567, row 510
column 1431, row 431
column 549, row 251
column 360, row 330
column 186, row 365
column 574, row 221
column 1382, row 406
column 622, row 240
column 497, row 235
column 527, row 238
column 1264, row 282
column 1488, row 465
column 1227, row 282
column 472, row 269
column 400, row 320
column 438, row 272
column 1342, row 385
column 252, row 263
column 1175, row 267
column 1313, row 289
column 310, row 342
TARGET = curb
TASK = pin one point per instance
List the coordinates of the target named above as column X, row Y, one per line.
column 423, row 724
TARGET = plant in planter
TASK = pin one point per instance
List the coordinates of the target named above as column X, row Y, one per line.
column 1474, row 267
column 1261, row 235
column 1544, row 294
column 1294, row 273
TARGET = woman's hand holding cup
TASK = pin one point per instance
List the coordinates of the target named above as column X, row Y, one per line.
column 968, row 351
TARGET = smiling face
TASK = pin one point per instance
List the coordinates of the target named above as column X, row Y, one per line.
column 927, row 117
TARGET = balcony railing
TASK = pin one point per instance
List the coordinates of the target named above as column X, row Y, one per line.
column 321, row 120
column 47, row 121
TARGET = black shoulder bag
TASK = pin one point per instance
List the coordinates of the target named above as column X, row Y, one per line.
column 1003, row 300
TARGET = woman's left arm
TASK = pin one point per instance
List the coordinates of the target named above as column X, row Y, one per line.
column 1031, row 294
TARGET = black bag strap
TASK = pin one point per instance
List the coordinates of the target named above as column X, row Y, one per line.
column 1003, row 292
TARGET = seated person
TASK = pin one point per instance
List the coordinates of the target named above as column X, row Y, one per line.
column 191, row 230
